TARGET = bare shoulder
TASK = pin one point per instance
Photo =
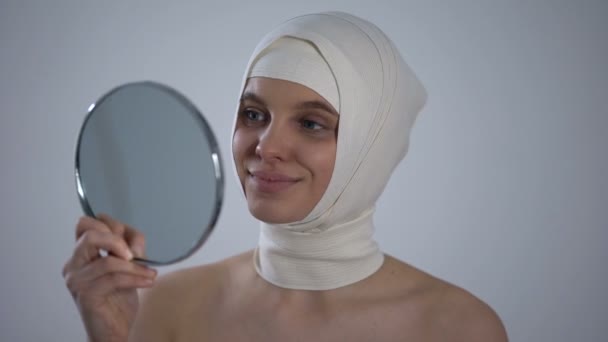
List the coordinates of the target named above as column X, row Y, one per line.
column 464, row 317
column 449, row 312
column 190, row 292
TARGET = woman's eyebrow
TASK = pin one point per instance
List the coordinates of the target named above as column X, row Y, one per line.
column 316, row 105
column 252, row 97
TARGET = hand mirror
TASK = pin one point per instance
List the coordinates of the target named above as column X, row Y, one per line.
column 146, row 156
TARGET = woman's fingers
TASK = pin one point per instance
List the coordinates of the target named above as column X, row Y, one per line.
column 105, row 284
column 91, row 241
column 87, row 272
column 103, row 287
column 117, row 281
column 112, row 270
column 136, row 240
column 115, row 226
column 113, row 264
column 87, row 223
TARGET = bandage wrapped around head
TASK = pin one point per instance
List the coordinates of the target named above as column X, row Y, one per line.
column 358, row 70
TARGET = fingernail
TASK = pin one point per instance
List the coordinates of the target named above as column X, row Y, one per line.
column 129, row 255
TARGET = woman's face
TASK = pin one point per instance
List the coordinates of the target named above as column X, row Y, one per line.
column 284, row 148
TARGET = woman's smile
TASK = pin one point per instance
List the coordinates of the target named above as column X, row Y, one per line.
column 270, row 182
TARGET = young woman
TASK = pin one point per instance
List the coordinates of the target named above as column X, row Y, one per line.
column 327, row 104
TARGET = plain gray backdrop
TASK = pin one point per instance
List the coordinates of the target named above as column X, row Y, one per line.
column 504, row 190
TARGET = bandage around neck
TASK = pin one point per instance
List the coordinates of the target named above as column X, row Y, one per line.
column 378, row 98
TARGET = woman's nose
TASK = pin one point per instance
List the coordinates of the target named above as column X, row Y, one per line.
column 273, row 144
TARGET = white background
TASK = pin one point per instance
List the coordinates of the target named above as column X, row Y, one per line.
column 504, row 191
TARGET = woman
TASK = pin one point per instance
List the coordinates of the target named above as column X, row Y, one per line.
column 326, row 108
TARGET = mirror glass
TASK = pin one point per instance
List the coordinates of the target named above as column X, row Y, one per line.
column 146, row 156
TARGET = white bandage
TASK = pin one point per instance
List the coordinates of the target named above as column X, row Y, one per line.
column 297, row 61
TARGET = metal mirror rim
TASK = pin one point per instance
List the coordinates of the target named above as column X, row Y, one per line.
column 215, row 157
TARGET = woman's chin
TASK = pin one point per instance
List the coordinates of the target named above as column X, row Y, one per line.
column 273, row 216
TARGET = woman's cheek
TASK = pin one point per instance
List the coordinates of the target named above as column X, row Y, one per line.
column 238, row 149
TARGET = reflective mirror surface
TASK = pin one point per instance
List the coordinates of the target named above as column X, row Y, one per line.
column 146, row 156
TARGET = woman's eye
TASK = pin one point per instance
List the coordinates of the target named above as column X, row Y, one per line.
column 254, row 116
column 311, row 125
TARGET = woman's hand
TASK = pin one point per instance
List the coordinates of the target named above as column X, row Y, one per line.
column 105, row 287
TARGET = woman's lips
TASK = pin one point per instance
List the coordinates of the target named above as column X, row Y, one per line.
column 270, row 182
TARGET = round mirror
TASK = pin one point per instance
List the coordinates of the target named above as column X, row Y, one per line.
column 146, row 156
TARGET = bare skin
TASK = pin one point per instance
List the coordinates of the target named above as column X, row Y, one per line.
column 228, row 301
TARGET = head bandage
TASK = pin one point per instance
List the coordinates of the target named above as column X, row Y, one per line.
column 378, row 98
column 297, row 61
